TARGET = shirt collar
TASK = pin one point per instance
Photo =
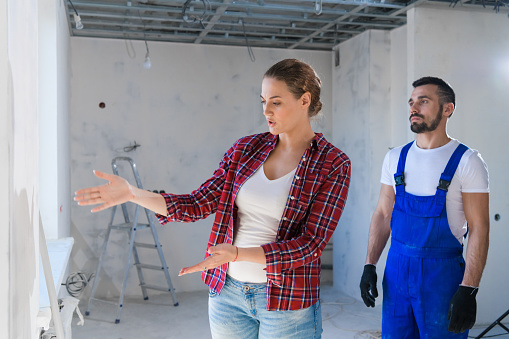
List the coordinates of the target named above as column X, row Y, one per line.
column 318, row 141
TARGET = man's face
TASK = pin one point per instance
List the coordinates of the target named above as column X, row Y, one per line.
column 425, row 109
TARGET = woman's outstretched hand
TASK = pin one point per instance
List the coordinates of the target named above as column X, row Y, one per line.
column 117, row 191
column 219, row 255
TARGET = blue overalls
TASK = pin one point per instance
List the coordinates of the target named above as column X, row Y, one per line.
column 425, row 262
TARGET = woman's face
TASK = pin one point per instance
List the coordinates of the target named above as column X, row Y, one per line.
column 283, row 112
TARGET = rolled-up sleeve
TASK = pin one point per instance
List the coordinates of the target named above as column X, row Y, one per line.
column 200, row 203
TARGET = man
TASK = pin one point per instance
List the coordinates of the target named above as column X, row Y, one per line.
column 434, row 192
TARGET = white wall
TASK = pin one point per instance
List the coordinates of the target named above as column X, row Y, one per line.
column 361, row 84
column 54, row 98
column 20, row 37
column 473, row 55
column 468, row 49
column 186, row 111
column 19, row 169
column 5, row 173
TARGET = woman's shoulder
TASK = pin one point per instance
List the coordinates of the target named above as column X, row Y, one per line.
column 254, row 138
column 331, row 152
column 249, row 142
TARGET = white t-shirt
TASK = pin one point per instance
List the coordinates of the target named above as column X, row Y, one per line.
column 423, row 168
column 261, row 203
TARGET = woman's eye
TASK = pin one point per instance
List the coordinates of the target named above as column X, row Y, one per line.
column 276, row 103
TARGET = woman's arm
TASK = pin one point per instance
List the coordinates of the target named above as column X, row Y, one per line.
column 118, row 191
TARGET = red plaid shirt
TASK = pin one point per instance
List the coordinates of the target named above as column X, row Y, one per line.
column 315, row 203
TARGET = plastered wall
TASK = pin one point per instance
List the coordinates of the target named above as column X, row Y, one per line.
column 54, row 98
column 361, row 84
column 473, row 54
column 19, row 164
column 185, row 112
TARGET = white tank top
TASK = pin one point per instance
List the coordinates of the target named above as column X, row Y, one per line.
column 260, row 204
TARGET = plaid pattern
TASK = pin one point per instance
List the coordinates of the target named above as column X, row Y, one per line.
column 315, row 203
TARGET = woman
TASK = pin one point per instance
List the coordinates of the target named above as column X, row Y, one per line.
column 278, row 197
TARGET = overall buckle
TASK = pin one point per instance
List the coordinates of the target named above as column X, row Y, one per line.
column 443, row 185
column 399, row 179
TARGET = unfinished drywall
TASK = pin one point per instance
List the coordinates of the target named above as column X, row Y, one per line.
column 54, row 98
column 185, row 112
column 5, row 173
column 19, row 162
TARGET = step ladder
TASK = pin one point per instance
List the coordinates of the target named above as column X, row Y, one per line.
column 132, row 227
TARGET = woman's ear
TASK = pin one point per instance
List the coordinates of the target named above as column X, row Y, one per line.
column 305, row 99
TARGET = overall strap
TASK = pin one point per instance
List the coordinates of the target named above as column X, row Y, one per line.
column 399, row 176
column 450, row 169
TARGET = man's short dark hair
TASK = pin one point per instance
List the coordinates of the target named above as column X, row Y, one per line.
column 445, row 91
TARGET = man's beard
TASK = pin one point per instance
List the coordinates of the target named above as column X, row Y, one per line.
column 423, row 127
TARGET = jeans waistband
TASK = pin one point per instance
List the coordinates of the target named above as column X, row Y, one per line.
column 426, row 252
column 244, row 286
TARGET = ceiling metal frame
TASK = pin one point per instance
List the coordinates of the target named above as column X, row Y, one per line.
column 304, row 24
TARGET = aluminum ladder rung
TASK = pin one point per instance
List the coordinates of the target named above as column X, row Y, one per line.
column 139, row 244
column 128, row 225
column 153, row 287
column 150, row 267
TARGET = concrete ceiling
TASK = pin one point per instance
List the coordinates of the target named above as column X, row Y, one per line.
column 305, row 24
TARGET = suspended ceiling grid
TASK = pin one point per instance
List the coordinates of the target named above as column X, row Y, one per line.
column 305, row 24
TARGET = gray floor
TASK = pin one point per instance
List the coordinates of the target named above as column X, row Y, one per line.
column 156, row 318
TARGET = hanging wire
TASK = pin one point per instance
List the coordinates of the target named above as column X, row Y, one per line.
column 77, row 17
column 249, row 49
column 192, row 19
column 75, row 11
column 127, row 45
column 144, row 27
column 147, row 63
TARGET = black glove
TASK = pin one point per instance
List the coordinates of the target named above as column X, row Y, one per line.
column 462, row 309
column 368, row 285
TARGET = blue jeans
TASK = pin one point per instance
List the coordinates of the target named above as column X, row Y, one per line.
column 240, row 312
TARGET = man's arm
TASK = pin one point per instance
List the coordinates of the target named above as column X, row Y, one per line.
column 379, row 233
column 380, row 228
column 463, row 306
column 476, row 208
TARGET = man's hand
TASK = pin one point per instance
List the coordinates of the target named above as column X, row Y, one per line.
column 368, row 285
column 462, row 309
